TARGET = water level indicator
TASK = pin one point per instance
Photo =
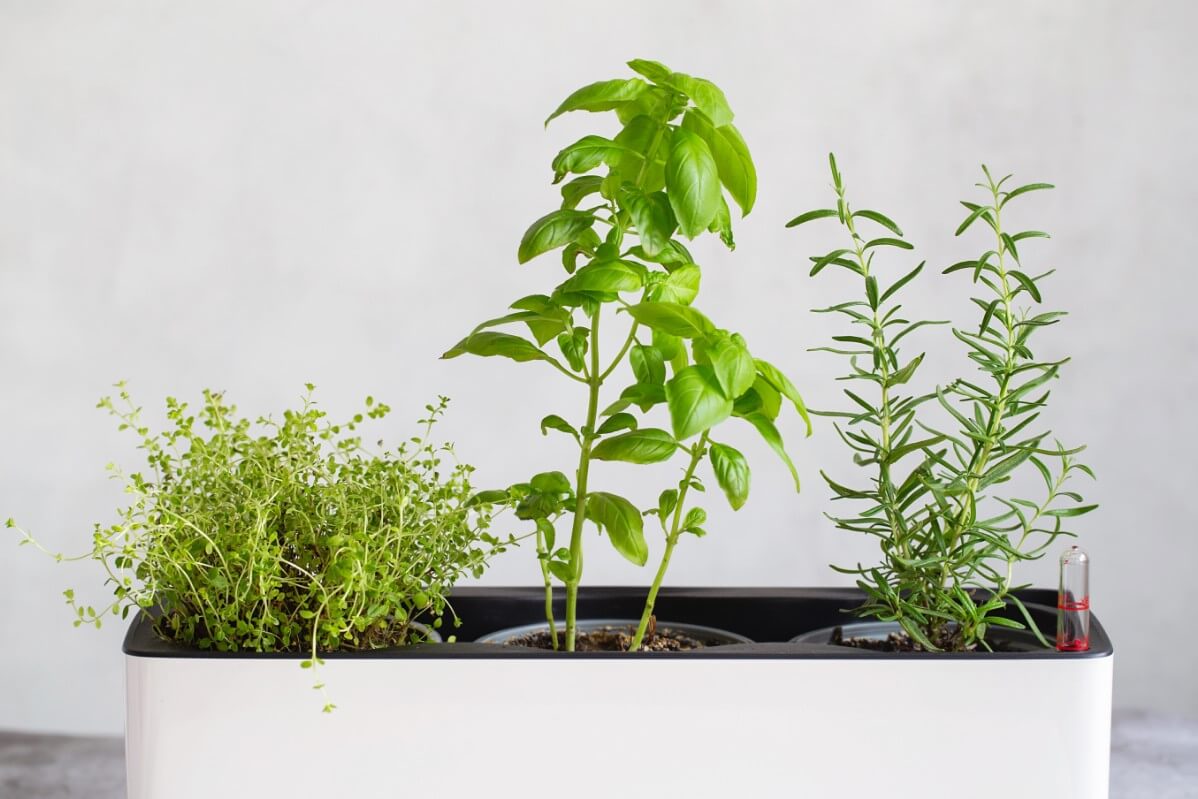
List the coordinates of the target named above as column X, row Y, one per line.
column 1073, row 602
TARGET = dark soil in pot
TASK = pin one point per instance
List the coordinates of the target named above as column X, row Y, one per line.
column 890, row 637
column 901, row 642
column 613, row 639
column 615, row 635
column 409, row 635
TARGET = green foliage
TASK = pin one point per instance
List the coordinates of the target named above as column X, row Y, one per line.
column 287, row 535
column 696, row 400
column 732, row 472
column 625, row 200
column 950, row 540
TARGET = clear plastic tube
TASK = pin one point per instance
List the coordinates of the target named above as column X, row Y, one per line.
column 1073, row 602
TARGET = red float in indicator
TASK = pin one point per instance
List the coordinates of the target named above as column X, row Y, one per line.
column 1073, row 602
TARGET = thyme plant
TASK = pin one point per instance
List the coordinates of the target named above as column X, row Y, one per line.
column 286, row 535
column 664, row 173
column 950, row 539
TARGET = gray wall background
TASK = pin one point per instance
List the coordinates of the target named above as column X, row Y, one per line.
column 249, row 196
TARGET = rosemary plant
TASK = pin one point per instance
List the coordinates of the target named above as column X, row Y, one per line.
column 286, row 536
column 664, row 172
column 949, row 539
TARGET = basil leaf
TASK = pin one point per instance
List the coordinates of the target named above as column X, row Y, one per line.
column 617, row 422
column 652, row 216
column 654, row 71
column 622, row 522
column 693, row 183
column 607, row 276
column 551, row 483
column 574, row 346
column 672, row 318
column 680, row 286
column 666, row 502
column 574, row 191
column 584, row 155
column 706, row 95
column 772, row 437
column 696, row 401
column 647, row 364
column 489, row 343
column 648, row 445
column 779, row 381
column 641, row 395
column 732, row 159
column 669, row 346
column 562, row 570
column 731, row 472
column 555, row 422
column 551, row 231
column 732, row 364
column 603, row 95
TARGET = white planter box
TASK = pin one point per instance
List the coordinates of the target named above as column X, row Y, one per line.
column 756, row 721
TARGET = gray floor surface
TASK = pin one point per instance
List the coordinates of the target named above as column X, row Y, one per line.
column 1152, row 757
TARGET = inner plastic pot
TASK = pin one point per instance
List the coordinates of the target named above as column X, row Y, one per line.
column 709, row 636
column 1010, row 640
column 431, row 636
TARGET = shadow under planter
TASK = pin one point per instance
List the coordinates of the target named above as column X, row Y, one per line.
column 773, row 718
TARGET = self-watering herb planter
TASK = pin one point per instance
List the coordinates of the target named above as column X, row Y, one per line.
column 764, row 719
column 256, row 540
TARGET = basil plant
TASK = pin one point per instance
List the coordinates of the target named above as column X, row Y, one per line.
column 624, row 201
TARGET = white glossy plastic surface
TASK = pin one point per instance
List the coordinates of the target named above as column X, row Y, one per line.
column 452, row 729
